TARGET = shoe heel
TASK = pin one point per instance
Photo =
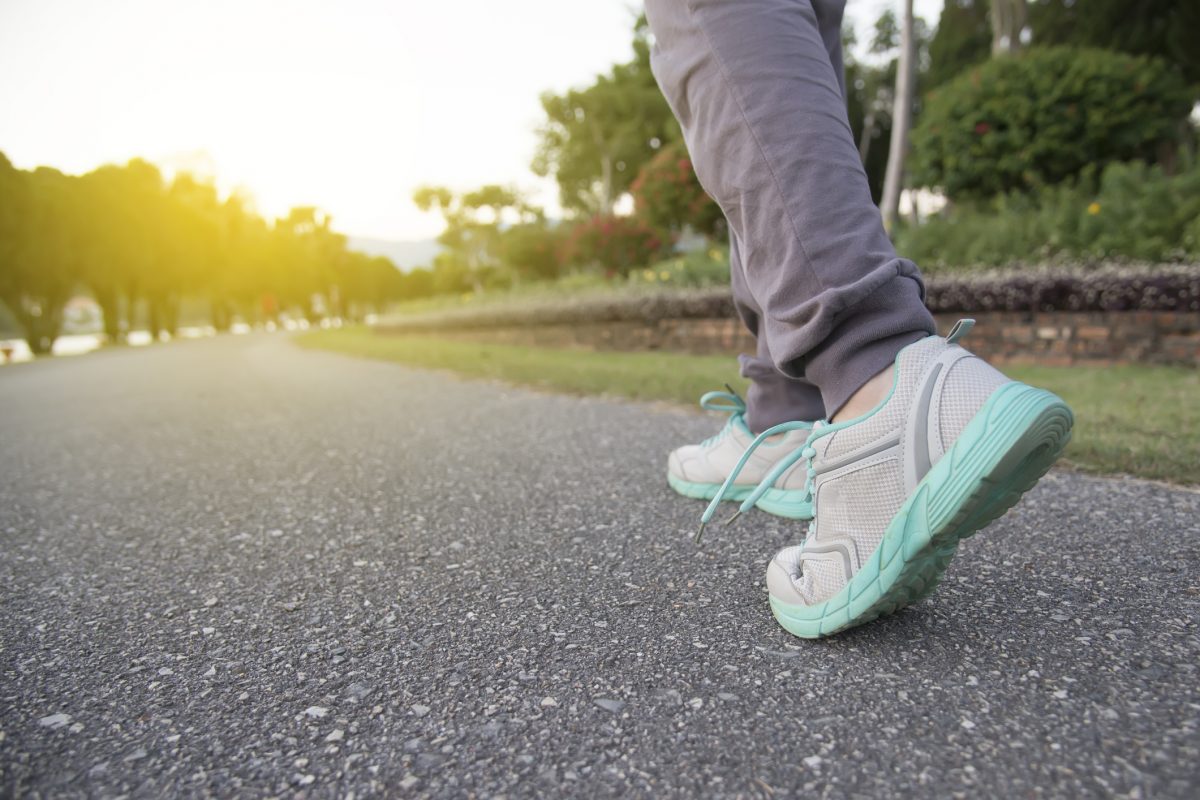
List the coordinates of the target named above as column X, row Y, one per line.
column 1012, row 442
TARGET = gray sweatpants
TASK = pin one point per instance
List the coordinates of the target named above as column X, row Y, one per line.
column 757, row 86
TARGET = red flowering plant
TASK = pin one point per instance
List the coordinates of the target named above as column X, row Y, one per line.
column 668, row 196
column 613, row 244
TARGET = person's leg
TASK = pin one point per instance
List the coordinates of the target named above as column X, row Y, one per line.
column 772, row 397
column 760, row 103
column 931, row 443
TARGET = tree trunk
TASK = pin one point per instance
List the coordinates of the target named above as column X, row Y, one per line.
column 109, row 301
column 220, row 314
column 42, row 328
column 893, row 181
column 155, row 306
column 171, row 314
column 606, row 186
column 130, row 292
column 868, row 133
column 606, row 171
column 1008, row 20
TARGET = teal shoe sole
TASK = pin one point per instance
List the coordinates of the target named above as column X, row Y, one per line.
column 780, row 502
column 1006, row 448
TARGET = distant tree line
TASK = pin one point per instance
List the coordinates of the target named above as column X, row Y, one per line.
column 135, row 241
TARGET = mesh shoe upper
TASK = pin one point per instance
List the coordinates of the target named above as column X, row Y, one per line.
column 863, row 472
column 711, row 461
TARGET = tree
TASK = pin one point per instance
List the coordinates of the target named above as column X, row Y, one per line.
column 188, row 250
column 1161, row 28
column 308, row 255
column 871, row 89
column 40, row 252
column 595, row 140
column 901, row 119
column 962, row 40
column 472, row 235
column 366, row 284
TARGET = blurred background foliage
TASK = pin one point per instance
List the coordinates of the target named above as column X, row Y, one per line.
column 1044, row 130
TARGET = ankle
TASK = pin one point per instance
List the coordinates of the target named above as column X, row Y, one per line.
column 868, row 396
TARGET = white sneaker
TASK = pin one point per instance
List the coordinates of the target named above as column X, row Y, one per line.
column 952, row 448
column 698, row 470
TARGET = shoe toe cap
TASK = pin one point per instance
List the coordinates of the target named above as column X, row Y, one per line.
column 782, row 573
column 674, row 465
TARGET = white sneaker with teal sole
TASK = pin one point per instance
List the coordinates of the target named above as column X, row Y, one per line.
column 952, row 448
column 698, row 470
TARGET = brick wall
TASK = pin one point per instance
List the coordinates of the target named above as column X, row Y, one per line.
column 1054, row 338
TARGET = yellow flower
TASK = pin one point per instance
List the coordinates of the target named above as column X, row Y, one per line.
column 648, row 274
column 664, row 275
column 1094, row 209
column 714, row 254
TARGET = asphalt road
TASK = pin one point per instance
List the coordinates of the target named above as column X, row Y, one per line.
column 232, row 567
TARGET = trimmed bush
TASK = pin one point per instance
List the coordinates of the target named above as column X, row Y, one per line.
column 1145, row 288
column 1130, row 288
column 1037, row 118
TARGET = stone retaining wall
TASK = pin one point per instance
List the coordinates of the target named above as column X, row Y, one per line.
column 1052, row 338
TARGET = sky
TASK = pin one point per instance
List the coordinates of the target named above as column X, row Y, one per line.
column 345, row 105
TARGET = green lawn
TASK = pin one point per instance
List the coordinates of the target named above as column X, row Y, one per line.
column 1137, row 420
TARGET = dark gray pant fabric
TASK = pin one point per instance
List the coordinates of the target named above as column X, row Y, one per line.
column 757, row 86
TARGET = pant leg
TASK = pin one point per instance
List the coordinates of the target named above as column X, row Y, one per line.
column 773, row 397
column 758, row 96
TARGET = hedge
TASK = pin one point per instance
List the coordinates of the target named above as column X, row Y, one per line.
column 1125, row 288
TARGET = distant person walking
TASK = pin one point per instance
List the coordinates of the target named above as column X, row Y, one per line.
column 896, row 442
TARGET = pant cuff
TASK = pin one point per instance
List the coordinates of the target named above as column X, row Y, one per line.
column 866, row 340
column 774, row 398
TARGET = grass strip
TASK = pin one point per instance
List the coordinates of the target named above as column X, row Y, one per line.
column 1138, row 420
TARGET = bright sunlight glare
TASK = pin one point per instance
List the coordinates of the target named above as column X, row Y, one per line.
column 348, row 106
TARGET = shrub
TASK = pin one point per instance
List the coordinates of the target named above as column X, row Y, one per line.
column 668, row 196
column 1130, row 212
column 698, row 268
column 1037, row 118
column 614, row 244
column 532, row 250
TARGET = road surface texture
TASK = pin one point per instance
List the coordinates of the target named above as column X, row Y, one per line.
column 233, row 567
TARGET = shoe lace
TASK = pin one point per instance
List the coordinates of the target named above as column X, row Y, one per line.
column 730, row 402
column 805, row 452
